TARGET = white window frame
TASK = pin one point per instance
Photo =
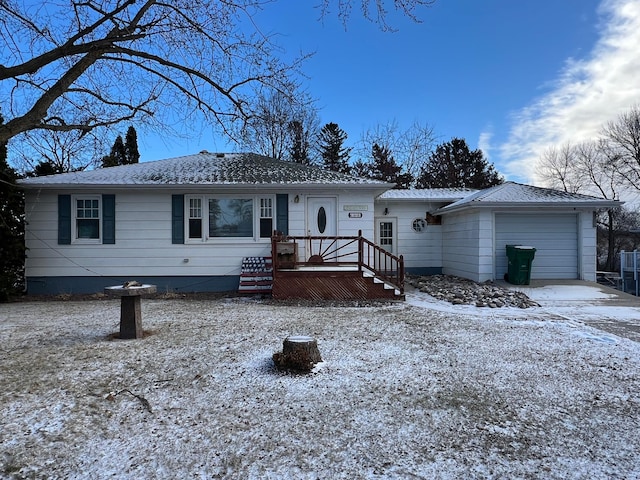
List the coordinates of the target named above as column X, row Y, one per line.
column 267, row 210
column 74, row 219
column 257, row 212
column 188, row 217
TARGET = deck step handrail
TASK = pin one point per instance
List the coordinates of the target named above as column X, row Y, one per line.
column 381, row 263
column 337, row 251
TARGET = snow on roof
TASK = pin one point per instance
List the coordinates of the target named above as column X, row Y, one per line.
column 440, row 194
column 512, row 193
column 205, row 168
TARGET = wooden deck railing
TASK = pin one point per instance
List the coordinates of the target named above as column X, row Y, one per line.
column 383, row 264
column 337, row 251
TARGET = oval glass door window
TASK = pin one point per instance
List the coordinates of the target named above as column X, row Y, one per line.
column 322, row 219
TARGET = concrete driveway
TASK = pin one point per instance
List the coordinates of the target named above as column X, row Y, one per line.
column 596, row 305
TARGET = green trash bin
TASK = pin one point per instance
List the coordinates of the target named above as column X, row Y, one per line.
column 520, row 258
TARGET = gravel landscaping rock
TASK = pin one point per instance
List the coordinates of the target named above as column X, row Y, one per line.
column 460, row 291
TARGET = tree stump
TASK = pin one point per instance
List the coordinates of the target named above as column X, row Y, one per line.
column 299, row 353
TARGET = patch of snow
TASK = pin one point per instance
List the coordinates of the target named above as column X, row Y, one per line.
column 517, row 193
column 299, row 338
column 204, row 169
column 442, row 194
column 421, row 389
column 563, row 292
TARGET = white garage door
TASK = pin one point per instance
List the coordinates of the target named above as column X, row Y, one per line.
column 555, row 238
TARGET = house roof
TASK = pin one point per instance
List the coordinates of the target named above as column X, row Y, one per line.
column 427, row 194
column 202, row 169
column 512, row 194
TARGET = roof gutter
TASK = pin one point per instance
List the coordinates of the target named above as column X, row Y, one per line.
column 588, row 204
column 205, row 187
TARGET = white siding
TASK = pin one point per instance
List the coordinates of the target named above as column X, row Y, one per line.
column 348, row 226
column 554, row 236
column 464, row 251
column 419, row 249
column 143, row 244
column 143, row 239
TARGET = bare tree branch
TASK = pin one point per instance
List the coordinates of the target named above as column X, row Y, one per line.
column 33, row 118
column 375, row 10
column 621, row 140
column 218, row 67
column 557, row 169
column 69, row 48
column 98, row 62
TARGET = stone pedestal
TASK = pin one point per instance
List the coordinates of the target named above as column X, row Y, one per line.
column 130, row 312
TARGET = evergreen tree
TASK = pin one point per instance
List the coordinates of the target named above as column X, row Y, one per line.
column 117, row 156
column 132, row 155
column 12, row 249
column 299, row 148
column 385, row 168
column 123, row 152
column 453, row 165
column 45, row 167
column 361, row 169
column 335, row 156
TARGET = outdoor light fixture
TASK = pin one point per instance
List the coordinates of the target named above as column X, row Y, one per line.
column 296, row 199
column 386, row 211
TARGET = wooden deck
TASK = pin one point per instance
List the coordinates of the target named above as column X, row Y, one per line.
column 328, row 284
column 331, row 285
column 338, row 268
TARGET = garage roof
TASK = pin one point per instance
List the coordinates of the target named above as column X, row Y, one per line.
column 512, row 194
column 427, row 194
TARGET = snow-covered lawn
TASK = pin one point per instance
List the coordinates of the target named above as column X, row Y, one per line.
column 405, row 391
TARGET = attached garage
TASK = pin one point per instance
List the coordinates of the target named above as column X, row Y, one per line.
column 559, row 225
column 553, row 235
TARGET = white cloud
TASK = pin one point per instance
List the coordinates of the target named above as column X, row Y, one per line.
column 484, row 143
column 588, row 93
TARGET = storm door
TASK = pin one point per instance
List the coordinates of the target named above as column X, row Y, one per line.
column 386, row 234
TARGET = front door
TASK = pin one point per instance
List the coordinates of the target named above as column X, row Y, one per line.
column 322, row 222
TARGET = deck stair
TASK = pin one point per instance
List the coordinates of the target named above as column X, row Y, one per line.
column 386, row 285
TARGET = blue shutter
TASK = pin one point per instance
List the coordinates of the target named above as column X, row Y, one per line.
column 177, row 219
column 282, row 213
column 108, row 219
column 64, row 219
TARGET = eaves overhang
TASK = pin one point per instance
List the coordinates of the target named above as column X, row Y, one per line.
column 300, row 188
column 595, row 204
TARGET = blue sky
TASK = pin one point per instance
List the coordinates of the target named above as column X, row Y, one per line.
column 511, row 77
